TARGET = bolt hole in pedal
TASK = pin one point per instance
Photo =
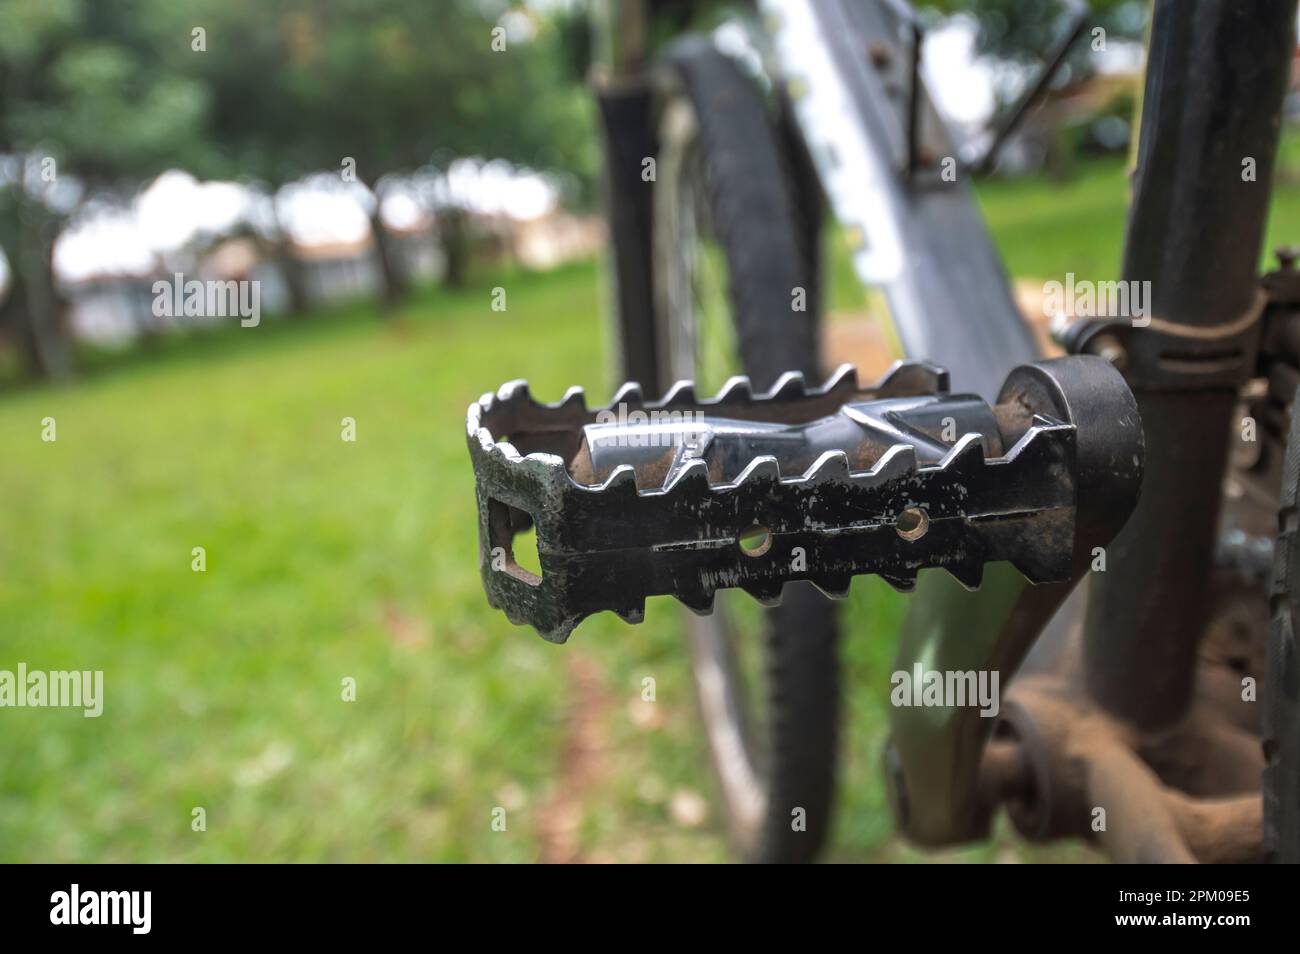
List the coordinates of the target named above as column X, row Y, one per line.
column 755, row 541
column 685, row 496
column 912, row 523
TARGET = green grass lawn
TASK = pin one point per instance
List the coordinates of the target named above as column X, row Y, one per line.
column 329, row 560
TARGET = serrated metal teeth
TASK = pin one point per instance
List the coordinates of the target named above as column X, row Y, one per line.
column 629, row 393
column 969, row 574
column 966, row 456
column 1029, row 446
column 898, row 461
column 1033, row 568
column 830, row 467
column 631, row 614
column 912, row 377
column 759, row 469
column 835, row 586
column 474, row 420
column 789, row 386
column 622, row 479
column 683, row 392
column 575, row 399
column 692, row 477
column 767, row 593
column 516, row 390
column 700, row 602
column 904, row 581
column 846, row 376
column 737, row 388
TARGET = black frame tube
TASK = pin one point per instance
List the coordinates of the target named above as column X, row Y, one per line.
column 1215, row 82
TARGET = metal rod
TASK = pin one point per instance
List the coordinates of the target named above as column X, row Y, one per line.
column 1210, row 125
column 1031, row 96
column 914, row 102
column 1139, row 826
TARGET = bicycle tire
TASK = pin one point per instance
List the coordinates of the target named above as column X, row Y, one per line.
column 767, row 220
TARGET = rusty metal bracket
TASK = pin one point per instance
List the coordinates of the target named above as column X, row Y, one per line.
column 1160, row 354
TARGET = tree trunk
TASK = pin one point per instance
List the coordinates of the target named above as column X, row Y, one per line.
column 295, row 279
column 453, row 232
column 279, row 250
column 392, row 276
column 35, row 309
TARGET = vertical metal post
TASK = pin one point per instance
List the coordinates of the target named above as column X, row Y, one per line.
column 1210, row 124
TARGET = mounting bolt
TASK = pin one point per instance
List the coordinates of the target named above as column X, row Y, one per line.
column 1109, row 347
column 881, row 55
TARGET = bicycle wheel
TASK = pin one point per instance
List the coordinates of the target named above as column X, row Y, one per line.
column 735, row 255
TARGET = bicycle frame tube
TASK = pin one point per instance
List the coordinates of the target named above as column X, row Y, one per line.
column 920, row 239
column 1210, row 126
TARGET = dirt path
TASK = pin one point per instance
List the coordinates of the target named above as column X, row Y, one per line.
column 582, row 763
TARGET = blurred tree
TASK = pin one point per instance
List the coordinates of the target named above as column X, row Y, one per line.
column 84, row 107
column 383, row 88
column 99, row 98
column 1022, row 31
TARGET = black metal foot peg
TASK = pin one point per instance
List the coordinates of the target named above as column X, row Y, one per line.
column 640, row 499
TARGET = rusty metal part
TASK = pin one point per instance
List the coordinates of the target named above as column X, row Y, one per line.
column 1004, row 772
column 1204, row 754
column 1137, row 827
column 1220, row 830
column 1078, row 773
